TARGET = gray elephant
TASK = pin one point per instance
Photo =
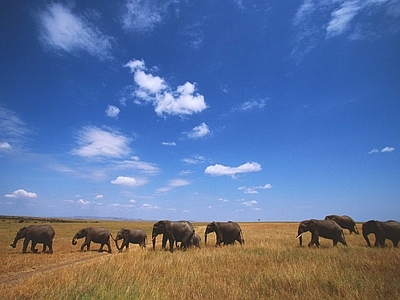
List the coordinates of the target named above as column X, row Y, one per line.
column 345, row 222
column 181, row 231
column 383, row 230
column 98, row 235
column 325, row 228
column 135, row 236
column 196, row 240
column 42, row 234
column 226, row 232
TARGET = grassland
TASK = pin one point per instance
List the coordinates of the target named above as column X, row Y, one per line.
column 269, row 266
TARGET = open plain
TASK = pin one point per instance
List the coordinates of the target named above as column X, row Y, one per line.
column 270, row 265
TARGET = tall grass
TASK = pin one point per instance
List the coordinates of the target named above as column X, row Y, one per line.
column 270, row 265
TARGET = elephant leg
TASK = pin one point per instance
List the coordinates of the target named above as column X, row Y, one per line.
column 50, row 245
column 25, row 245
column 101, row 247
column 109, row 247
column 33, row 247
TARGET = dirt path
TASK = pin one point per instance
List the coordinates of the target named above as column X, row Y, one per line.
column 12, row 278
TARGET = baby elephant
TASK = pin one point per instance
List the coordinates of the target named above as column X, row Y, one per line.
column 135, row 236
column 326, row 228
column 98, row 235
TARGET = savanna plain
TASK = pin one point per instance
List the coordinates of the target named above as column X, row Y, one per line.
column 270, row 265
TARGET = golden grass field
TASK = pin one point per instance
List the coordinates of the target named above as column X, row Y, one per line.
column 270, row 265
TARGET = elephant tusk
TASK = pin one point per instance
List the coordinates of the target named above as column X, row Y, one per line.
column 299, row 235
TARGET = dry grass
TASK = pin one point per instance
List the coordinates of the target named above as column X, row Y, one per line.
column 269, row 266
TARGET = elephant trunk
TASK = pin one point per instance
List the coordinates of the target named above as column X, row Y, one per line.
column 116, row 244
column 205, row 239
column 14, row 243
column 74, row 240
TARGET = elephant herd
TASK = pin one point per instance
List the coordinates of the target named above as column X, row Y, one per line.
column 332, row 228
column 226, row 233
column 174, row 232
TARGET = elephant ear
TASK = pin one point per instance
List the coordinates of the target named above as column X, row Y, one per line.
column 126, row 232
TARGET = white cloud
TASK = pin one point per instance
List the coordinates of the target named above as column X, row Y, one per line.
column 183, row 101
column 99, row 197
column 250, row 203
column 128, row 181
column 21, row 194
column 147, row 206
column 132, row 201
column 341, row 17
column 220, row 170
column 97, row 142
column 112, row 111
column 169, row 143
column 384, row 150
column 5, row 145
column 199, row 131
column 373, row 151
column 223, row 200
column 83, row 202
column 387, row 149
column 61, row 29
column 253, row 190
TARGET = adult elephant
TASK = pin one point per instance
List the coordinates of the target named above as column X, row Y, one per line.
column 383, row 230
column 181, row 231
column 226, row 232
column 135, row 236
column 98, row 235
column 325, row 228
column 345, row 222
column 42, row 234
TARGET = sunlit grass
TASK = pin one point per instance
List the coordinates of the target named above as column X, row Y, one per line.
column 270, row 265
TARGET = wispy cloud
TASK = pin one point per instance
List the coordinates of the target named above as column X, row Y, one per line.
column 249, row 105
column 142, row 15
column 61, row 29
column 195, row 159
column 220, row 170
column 249, row 203
column 184, row 100
column 169, row 143
column 96, row 142
column 174, row 183
column 13, row 131
column 254, row 189
column 316, row 21
column 134, row 163
column 21, row 194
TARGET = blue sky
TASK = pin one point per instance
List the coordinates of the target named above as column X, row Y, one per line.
column 200, row 110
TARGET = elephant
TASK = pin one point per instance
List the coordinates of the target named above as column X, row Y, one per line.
column 226, row 232
column 196, row 240
column 345, row 222
column 42, row 234
column 382, row 230
column 98, row 235
column 135, row 236
column 328, row 229
column 181, row 231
